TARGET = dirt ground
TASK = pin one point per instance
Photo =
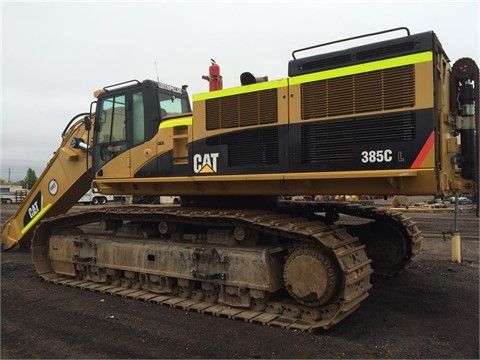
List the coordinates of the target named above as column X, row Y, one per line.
column 429, row 311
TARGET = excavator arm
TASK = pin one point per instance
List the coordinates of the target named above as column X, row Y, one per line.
column 65, row 179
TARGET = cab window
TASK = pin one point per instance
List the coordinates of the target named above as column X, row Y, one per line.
column 112, row 120
column 172, row 105
column 111, row 136
column 138, row 114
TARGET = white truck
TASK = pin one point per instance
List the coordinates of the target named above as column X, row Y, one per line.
column 95, row 198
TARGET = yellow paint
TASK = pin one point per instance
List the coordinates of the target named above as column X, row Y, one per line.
column 321, row 75
column 206, row 170
column 274, row 84
column 176, row 122
column 36, row 218
column 363, row 68
column 265, row 177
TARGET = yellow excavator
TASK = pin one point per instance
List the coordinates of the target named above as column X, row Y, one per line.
column 390, row 117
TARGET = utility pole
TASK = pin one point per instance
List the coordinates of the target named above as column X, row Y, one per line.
column 8, row 174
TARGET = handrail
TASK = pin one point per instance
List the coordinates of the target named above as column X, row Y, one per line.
column 348, row 39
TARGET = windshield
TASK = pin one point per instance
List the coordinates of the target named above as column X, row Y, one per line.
column 172, row 105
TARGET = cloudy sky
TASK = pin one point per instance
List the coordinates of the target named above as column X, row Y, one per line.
column 55, row 54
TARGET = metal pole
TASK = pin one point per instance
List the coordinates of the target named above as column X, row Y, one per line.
column 456, row 241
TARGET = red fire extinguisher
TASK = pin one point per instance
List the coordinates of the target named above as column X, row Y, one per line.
column 214, row 78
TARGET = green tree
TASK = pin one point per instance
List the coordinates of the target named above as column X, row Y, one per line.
column 30, row 179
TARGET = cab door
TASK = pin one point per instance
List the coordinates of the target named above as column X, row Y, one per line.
column 110, row 138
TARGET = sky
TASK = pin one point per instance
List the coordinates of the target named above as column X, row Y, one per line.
column 55, row 54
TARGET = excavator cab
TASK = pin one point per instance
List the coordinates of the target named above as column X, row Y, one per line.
column 129, row 114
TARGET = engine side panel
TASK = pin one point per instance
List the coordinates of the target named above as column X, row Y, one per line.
column 378, row 126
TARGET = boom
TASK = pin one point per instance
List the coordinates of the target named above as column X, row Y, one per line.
column 62, row 183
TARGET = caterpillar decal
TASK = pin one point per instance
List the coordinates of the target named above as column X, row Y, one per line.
column 205, row 164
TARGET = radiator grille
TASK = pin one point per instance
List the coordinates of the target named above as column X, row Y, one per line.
column 334, row 140
column 257, row 108
column 354, row 94
column 258, row 147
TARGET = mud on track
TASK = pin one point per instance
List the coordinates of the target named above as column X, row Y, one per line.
column 430, row 311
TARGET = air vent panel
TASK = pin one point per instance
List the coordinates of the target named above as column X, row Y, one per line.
column 360, row 93
column 248, row 109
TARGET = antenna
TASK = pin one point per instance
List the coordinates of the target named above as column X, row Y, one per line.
column 156, row 70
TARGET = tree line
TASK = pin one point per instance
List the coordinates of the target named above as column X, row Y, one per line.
column 27, row 183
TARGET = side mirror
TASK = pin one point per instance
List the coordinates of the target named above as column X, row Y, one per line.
column 88, row 123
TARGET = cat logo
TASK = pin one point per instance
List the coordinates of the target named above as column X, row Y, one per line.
column 205, row 164
column 33, row 210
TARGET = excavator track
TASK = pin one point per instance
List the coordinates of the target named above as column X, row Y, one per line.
column 331, row 249
column 393, row 241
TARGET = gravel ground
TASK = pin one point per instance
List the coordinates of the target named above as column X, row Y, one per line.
column 429, row 311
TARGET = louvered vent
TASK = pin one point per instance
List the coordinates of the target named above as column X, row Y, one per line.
column 326, row 62
column 256, row 108
column 334, row 140
column 257, row 147
column 386, row 50
column 374, row 91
